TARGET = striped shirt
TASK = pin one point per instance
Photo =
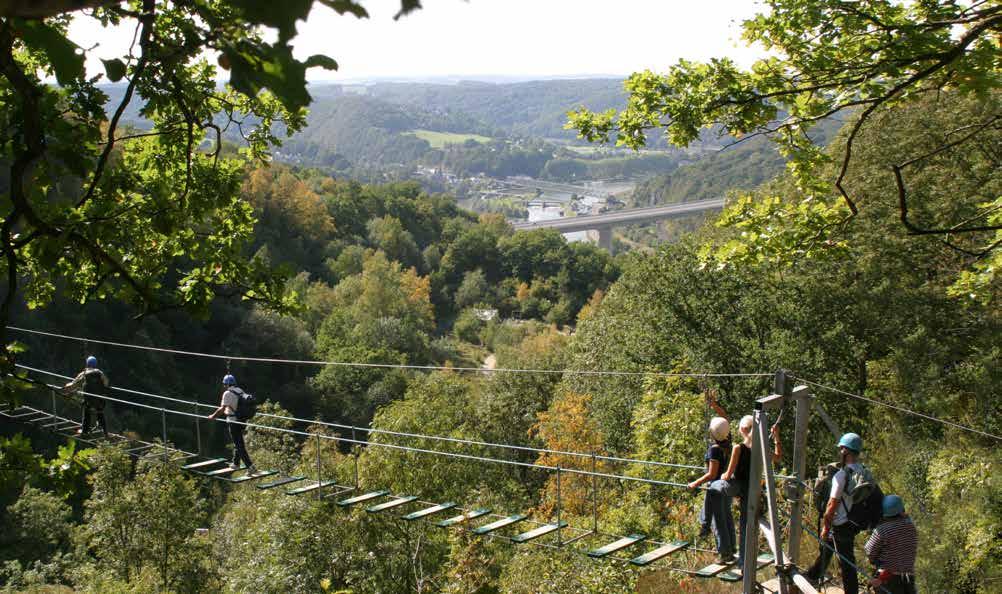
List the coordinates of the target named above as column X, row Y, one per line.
column 893, row 545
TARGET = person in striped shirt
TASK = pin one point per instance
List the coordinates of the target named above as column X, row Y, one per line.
column 892, row 548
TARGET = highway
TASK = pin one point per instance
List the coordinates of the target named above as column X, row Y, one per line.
column 623, row 217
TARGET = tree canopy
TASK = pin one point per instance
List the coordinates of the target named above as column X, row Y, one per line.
column 827, row 58
column 152, row 217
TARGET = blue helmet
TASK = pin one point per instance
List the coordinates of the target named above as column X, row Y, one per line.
column 91, row 362
column 852, row 442
column 229, row 380
column 893, row 506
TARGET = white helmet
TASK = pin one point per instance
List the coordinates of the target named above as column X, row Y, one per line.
column 745, row 426
column 719, row 428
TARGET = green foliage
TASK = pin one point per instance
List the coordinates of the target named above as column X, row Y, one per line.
column 966, row 515
column 828, row 57
column 468, row 326
column 439, row 404
column 670, row 425
column 563, row 573
column 145, row 524
column 38, row 525
column 388, row 235
column 472, row 290
column 509, row 403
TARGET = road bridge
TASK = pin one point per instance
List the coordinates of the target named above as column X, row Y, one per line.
column 604, row 223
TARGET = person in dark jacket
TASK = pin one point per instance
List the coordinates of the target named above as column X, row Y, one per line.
column 94, row 384
column 892, row 548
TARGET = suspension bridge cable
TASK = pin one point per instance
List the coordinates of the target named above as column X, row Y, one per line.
column 398, row 433
column 336, row 439
column 582, row 532
column 163, row 410
column 585, row 372
column 900, row 409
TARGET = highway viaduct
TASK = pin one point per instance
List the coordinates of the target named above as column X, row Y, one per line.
column 603, row 223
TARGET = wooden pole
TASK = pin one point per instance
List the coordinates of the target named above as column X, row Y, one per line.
column 803, row 398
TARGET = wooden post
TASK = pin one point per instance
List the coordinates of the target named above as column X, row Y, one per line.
column 320, row 478
column 832, row 426
column 198, row 430
column 559, row 506
column 803, row 398
column 761, row 418
column 163, row 421
column 761, row 460
column 594, row 496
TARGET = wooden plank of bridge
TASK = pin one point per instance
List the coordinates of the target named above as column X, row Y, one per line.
column 617, row 545
column 281, row 481
column 375, row 509
column 66, row 424
column 537, row 532
column 772, row 587
column 203, row 464
column 219, row 472
column 713, row 569
column 488, row 528
column 733, row 576
column 27, row 412
column 463, row 517
column 257, row 474
column 659, row 553
column 362, row 498
column 429, row 511
column 311, row 487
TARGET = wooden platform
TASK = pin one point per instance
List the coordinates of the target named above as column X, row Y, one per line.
column 772, row 587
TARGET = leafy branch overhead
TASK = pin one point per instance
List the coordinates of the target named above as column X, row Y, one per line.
column 826, row 58
column 153, row 217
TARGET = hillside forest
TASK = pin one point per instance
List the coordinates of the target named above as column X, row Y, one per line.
column 369, row 314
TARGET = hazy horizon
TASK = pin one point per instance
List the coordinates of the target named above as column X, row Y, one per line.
column 494, row 40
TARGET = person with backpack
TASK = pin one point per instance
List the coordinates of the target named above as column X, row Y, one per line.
column 237, row 405
column 892, row 548
column 94, row 384
column 717, row 505
column 848, row 511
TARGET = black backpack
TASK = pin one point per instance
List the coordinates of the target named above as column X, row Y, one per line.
column 867, row 499
column 246, row 404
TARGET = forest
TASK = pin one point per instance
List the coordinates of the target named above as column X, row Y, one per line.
column 440, row 325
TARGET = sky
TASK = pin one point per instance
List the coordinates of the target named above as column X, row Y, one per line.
column 508, row 38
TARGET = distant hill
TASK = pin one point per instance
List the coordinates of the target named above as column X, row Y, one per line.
column 739, row 167
column 743, row 167
column 370, row 131
column 536, row 108
column 361, row 129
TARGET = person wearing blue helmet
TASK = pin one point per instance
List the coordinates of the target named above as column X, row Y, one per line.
column 892, row 549
column 837, row 532
column 228, row 406
column 94, row 384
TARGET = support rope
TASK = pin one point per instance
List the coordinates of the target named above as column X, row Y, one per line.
column 386, row 365
column 901, row 409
